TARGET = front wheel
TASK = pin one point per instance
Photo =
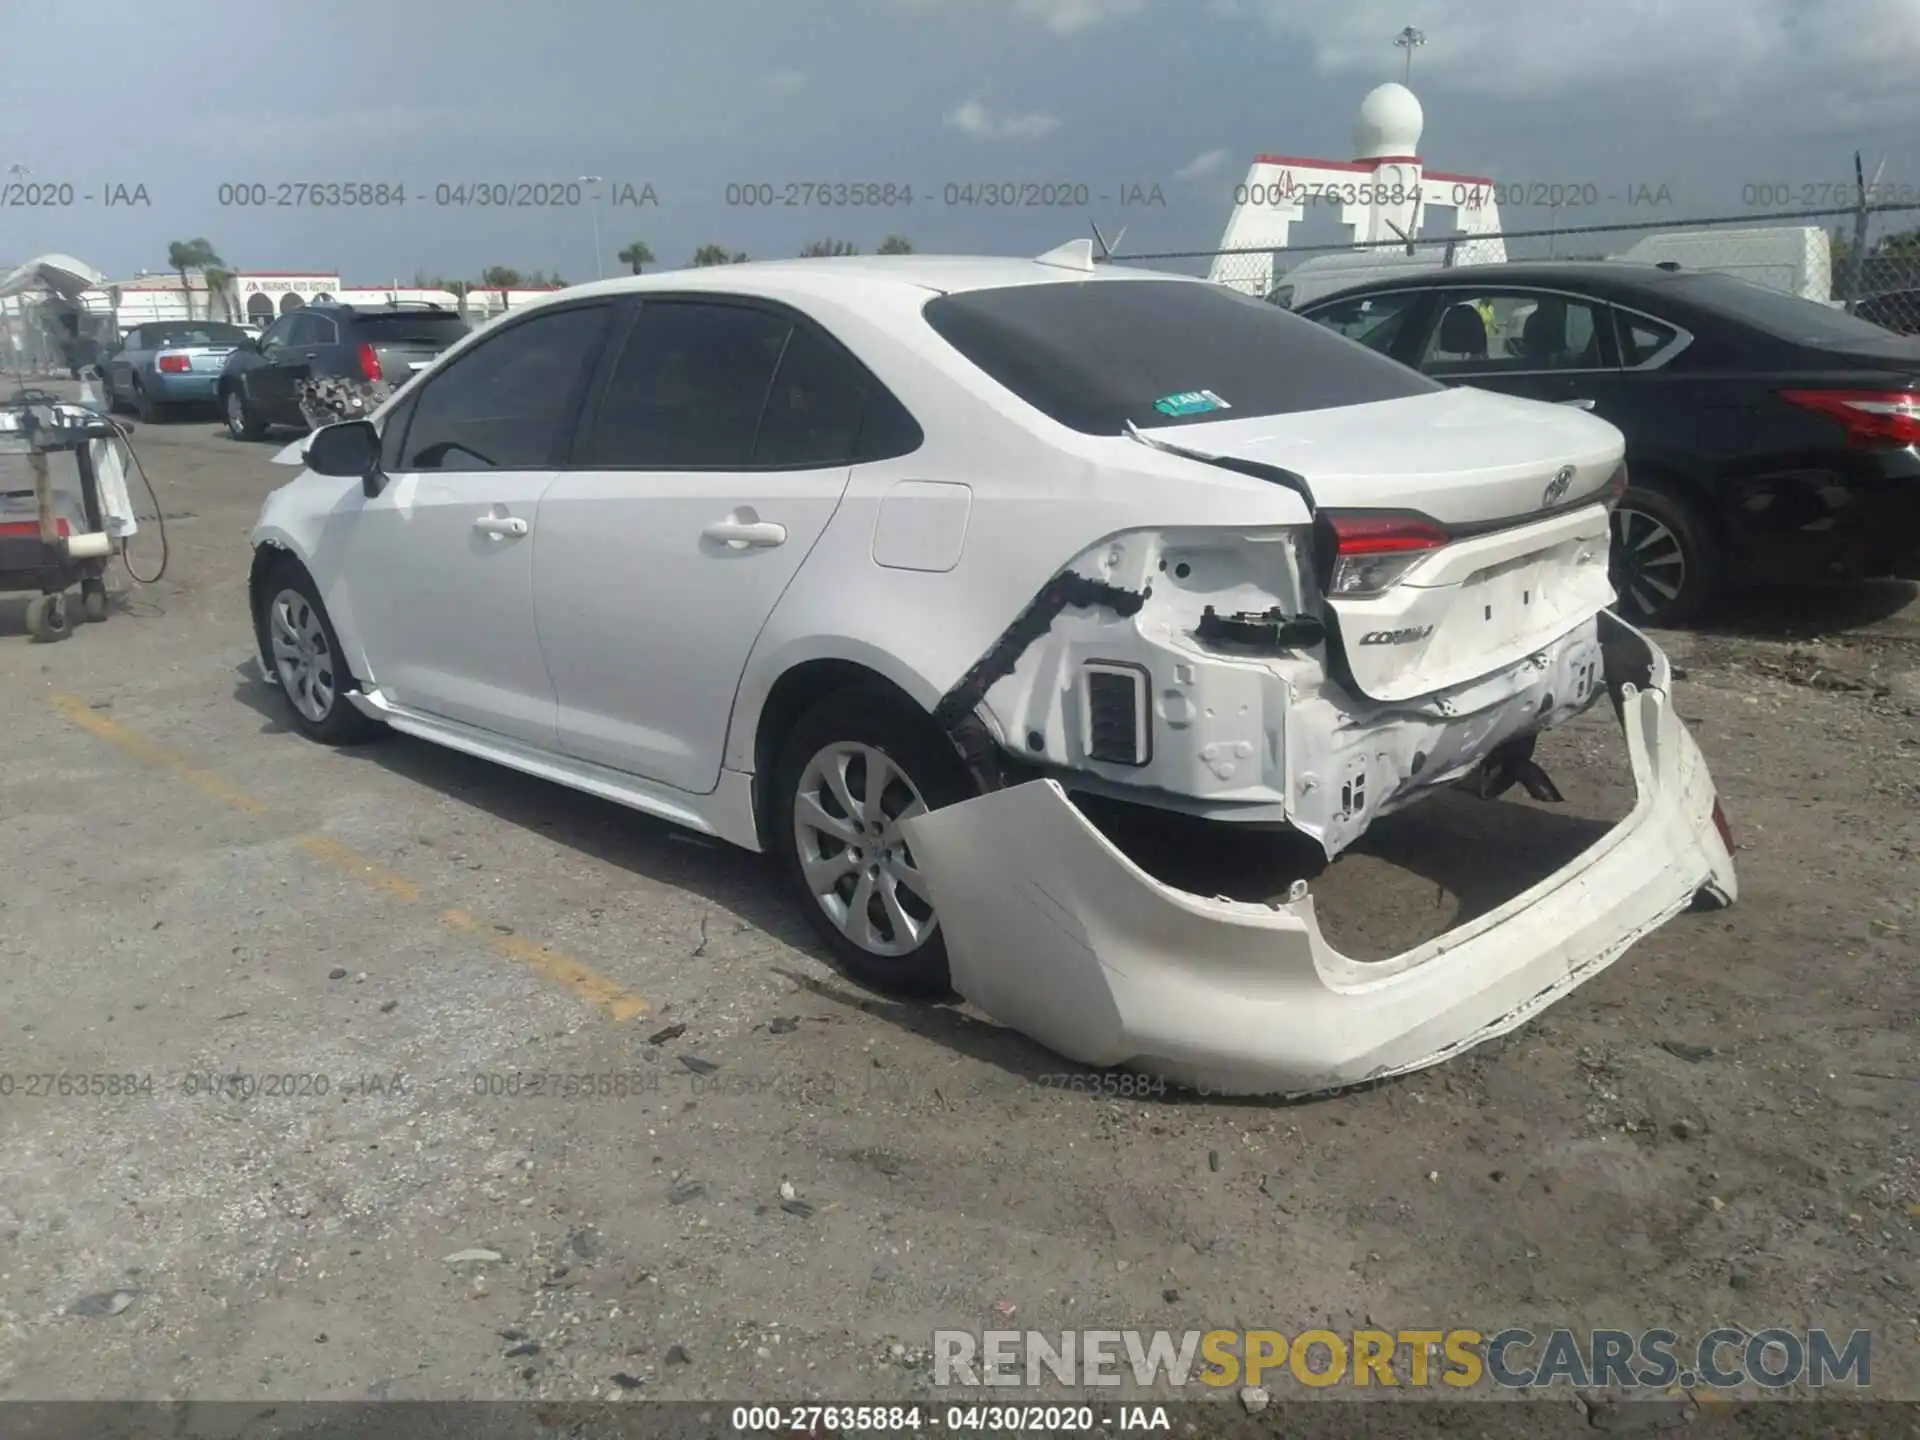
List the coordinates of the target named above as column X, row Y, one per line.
column 242, row 423
column 855, row 766
column 300, row 643
column 1665, row 559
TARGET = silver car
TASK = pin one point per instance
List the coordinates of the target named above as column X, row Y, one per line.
column 168, row 363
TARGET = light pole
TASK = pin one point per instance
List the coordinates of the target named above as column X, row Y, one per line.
column 599, row 271
column 1409, row 40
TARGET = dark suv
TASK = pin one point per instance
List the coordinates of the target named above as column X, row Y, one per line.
column 330, row 361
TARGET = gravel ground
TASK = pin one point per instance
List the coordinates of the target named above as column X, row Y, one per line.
column 803, row 1180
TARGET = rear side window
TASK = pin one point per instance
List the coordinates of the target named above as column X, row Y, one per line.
column 408, row 327
column 1641, row 339
column 1095, row 355
column 688, row 388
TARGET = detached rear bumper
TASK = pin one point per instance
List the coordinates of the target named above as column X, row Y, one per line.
column 1052, row 930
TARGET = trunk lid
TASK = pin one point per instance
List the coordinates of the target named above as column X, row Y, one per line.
column 406, row 342
column 1524, row 560
column 201, row 359
column 1463, row 457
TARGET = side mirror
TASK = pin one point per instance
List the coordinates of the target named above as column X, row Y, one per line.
column 350, row 450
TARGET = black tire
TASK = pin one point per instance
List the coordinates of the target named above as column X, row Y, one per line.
column 1661, row 544
column 879, row 720
column 242, row 422
column 49, row 618
column 93, row 601
column 150, row 411
column 320, row 710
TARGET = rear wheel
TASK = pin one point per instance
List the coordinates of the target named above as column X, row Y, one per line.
column 855, row 766
column 150, row 411
column 1665, row 560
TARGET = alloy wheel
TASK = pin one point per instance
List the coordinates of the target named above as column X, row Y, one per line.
column 301, row 655
column 1648, row 566
column 847, row 811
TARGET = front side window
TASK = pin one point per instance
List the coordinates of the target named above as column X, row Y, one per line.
column 508, row 403
column 1097, row 355
column 1376, row 321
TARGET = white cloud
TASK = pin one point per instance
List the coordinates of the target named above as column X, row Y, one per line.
column 975, row 119
column 1068, row 17
column 787, row 82
column 1200, row 165
column 1706, row 60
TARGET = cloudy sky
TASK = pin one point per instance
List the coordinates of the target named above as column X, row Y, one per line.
column 1705, row 97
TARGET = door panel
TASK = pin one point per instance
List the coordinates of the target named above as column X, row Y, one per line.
column 268, row 383
column 444, row 598
column 439, row 566
column 712, row 464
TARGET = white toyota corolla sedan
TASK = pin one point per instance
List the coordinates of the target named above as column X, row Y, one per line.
column 875, row 564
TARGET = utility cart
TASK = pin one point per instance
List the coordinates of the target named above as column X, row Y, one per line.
column 58, row 530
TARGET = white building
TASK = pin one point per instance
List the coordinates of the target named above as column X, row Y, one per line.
column 1384, row 194
column 258, row 297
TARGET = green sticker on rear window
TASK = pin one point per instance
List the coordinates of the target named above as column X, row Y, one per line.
column 1190, row 402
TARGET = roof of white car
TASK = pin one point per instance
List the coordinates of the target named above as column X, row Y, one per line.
column 941, row 273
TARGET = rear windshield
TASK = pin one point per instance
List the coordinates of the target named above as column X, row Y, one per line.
column 409, row 327
column 1097, row 354
column 160, row 336
column 1783, row 316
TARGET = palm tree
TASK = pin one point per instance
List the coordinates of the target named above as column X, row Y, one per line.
column 718, row 255
column 828, row 247
column 195, row 254
column 218, row 279
column 895, row 245
column 636, row 255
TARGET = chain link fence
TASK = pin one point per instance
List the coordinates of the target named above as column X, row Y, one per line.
column 1865, row 259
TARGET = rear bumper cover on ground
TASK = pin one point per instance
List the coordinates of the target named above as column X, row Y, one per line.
column 1053, row 931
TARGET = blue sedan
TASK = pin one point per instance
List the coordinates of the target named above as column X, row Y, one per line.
column 174, row 362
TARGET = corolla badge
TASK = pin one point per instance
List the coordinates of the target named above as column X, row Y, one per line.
column 1556, row 487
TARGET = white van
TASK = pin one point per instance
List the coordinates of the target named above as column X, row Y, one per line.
column 1324, row 274
column 1796, row 259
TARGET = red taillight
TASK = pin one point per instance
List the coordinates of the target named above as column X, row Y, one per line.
column 30, row 529
column 175, row 364
column 1371, row 551
column 1720, row 824
column 1878, row 418
column 369, row 363
column 1384, row 534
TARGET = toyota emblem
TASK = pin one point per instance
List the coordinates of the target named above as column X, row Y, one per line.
column 1556, row 487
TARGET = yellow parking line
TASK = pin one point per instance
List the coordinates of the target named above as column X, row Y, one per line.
column 544, row 960
column 330, row 851
column 141, row 748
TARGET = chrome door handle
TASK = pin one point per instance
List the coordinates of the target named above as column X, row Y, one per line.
column 744, row 532
column 500, row 526
column 1579, row 404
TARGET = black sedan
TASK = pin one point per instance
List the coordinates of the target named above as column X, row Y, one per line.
column 1769, row 438
column 310, row 358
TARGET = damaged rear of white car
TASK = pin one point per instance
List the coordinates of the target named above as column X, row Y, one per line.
column 1421, row 592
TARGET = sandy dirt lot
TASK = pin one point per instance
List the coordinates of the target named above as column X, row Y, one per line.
column 784, row 1184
